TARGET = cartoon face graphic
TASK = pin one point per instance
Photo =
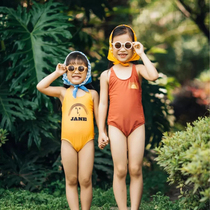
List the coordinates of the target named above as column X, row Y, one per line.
column 78, row 112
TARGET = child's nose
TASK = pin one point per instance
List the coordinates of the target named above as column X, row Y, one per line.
column 76, row 69
column 123, row 47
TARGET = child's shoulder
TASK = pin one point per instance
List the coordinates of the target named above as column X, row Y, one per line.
column 105, row 74
column 139, row 68
column 93, row 91
column 94, row 94
column 63, row 90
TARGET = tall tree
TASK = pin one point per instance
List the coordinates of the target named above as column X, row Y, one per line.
column 198, row 11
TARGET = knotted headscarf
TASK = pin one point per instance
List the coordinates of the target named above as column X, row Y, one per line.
column 87, row 80
column 110, row 53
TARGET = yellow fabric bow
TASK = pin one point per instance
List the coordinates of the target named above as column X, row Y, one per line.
column 110, row 53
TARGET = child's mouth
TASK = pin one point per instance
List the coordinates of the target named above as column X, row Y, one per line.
column 122, row 55
column 76, row 77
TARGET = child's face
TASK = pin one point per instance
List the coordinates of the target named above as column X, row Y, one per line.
column 123, row 54
column 77, row 76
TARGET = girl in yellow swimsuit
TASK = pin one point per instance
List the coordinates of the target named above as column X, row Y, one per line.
column 79, row 105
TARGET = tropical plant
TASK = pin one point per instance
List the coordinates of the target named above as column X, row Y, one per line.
column 3, row 134
column 98, row 8
column 156, row 112
column 33, row 42
column 13, row 106
column 185, row 157
column 30, row 40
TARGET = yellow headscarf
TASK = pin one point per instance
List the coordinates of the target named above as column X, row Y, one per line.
column 110, row 53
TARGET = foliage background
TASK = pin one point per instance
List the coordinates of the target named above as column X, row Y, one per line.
column 184, row 155
column 36, row 35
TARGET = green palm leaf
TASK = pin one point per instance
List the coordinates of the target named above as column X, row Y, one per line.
column 39, row 38
column 37, row 129
column 12, row 107
column 19, row 169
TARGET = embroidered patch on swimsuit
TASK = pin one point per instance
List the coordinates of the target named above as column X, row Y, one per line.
column 78, row 112
column 133, row 85
column 78, row 106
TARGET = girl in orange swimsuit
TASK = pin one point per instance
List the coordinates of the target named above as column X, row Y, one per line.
column 121, row 85
column 79, row 105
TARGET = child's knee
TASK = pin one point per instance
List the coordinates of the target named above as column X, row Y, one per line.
column 85, row 181
column 71, row 181
column 121, row 171
column 135, row 170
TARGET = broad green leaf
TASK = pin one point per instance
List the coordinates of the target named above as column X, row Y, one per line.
column 39, row 38
column 11, row 108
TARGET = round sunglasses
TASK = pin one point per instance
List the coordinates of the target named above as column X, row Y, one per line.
column 72, row 68
column 118, row 45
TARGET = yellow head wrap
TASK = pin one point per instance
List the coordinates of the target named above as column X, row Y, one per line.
column 110, row 53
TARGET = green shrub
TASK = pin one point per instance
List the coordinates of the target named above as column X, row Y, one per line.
column 161, row 202
column 185, row 156
column 56, row 188
column 102, row 198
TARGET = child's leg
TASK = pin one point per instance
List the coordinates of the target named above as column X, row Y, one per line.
column 118, row 144
column 69, row 160
column 86, row 160
column 136, row 142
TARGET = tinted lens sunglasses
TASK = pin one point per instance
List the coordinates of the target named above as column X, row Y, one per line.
column 118, row 45
column 80, row 68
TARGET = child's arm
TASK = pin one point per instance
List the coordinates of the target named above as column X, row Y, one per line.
column 103, row 107
column 148, row 71
column 44, row 85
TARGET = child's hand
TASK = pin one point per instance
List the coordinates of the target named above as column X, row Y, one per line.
column 138, row 47
column 60, row 69
column 103, row 140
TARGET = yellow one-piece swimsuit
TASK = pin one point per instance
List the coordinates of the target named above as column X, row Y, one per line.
column 77, row 119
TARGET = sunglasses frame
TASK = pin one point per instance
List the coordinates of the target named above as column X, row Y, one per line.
column 76, row 67
column 122, row 45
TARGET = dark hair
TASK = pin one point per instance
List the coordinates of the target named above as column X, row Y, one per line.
column 76, row 56
column 120, row 31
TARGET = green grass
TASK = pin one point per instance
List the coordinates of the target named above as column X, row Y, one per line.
column 53, row 196
column 17, row 199
column 25, row 200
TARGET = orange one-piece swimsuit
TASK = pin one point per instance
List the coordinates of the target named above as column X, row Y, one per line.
column 125, row 95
